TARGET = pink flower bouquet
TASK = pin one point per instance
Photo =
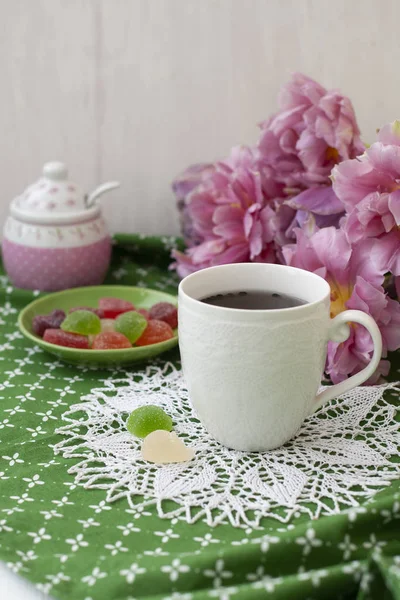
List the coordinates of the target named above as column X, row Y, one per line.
column 308, row 195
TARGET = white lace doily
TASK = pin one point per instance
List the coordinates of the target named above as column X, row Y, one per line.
column 341, row 456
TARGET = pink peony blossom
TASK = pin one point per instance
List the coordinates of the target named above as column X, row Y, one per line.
column 231, row 215
column 195, row 190
column 183, row 186
column 356, row 283
column 369, row 187
column 314, row 130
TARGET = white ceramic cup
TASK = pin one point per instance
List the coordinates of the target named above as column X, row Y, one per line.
column 253, row 375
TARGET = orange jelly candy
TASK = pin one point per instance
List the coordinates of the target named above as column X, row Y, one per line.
column 155, row 332
column 110, row 340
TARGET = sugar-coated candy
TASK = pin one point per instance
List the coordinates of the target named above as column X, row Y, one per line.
column 110, row 340
column 145, row 313
column 64, row 338
column 83, row 322
column 155, row 332
column 96, row 311
column 107, row 325
column 145, row 419
column 164, row 311
column 51, row 321
column 112, row 307
column 163, row 447
column 131, row 324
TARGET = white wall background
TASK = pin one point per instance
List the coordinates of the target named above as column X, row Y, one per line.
column 136, row 90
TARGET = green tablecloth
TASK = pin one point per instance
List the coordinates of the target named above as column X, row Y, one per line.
column 74, row 545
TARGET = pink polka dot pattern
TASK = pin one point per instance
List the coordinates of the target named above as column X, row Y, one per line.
column 52, row 269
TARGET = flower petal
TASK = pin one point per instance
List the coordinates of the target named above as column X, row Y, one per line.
column 394, row 206
column 234, row 254
column 320, row 200
column 191, row 177
column 390, row 134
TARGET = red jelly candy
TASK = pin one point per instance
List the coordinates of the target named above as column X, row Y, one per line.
column 51, row 321
column 164, row 311
column 156, row 331
column 112, row 307
column 97, row 311
column 110, row 340
column 145, row 313
column 64, row 338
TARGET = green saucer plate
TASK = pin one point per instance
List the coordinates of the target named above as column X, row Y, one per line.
column 89, row 296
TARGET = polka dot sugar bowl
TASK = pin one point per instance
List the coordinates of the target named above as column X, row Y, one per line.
column 55, row 236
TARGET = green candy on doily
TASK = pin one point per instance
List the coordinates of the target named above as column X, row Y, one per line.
column 146, row 419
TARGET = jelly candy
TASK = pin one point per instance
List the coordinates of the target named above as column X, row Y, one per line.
column 131, row 324
column 145, row 313
column 110, row 340
column 112, row 307
column 156, row 331
column 40, row 324
column 65, row 338
column 163, row 447
column 96, row 311
column 164, row 311
column 83, row 322
column 107, row 325
column 145, row 419
column 51, row 321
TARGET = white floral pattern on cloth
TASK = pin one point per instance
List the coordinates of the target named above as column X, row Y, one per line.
column 340, row 457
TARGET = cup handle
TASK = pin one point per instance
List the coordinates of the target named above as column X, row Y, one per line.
column 339, row 332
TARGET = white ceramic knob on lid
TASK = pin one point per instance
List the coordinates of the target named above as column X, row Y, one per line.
column 55, row 171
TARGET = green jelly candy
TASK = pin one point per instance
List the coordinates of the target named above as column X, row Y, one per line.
column 131, row 324
column 83, row 322
column 145, row 419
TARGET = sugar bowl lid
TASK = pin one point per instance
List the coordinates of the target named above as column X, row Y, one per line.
column 54, row 199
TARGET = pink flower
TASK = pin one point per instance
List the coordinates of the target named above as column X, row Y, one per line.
column 314, row 130
column 183, row 186
column 356, row 283
column 231, row 216
column 369, row 187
